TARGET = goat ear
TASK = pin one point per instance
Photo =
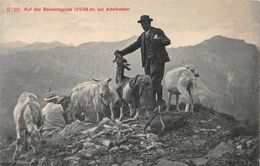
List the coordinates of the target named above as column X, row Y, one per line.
column 95, row 80
column 108, row 80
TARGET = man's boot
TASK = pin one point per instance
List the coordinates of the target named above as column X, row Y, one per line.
column 160, row 100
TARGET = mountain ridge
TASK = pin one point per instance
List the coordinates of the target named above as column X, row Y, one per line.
column 228, row 69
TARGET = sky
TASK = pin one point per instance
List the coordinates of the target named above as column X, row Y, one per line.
column 185, row 22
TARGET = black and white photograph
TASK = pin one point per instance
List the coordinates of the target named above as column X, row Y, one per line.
column 129, row 82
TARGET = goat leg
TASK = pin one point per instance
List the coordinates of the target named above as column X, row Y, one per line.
column 177, row 103
column 147, row 112
column 18, row 142
column 187, row 108
column 169, row 102
column 131, row 109
column 112, row 111
column 192, row 106
column 17, row 149
column 137, row 113
column 121, row 113
column 97, row 114
column 189, row 105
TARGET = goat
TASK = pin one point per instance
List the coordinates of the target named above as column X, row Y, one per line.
column 94, row 96
column 27, row 117
column 137, row 92
column 180, row 81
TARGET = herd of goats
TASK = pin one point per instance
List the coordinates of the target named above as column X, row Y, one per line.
column 136, row 94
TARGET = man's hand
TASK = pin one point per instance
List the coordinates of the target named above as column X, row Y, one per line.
column 156, row 37
column 117, row 52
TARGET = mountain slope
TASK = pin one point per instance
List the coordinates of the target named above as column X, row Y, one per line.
column 228, row 72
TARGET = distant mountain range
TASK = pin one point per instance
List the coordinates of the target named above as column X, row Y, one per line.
column 16, row 44
column 22, row 46
column 228, row 70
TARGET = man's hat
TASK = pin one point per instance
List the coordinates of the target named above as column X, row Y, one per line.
column 50, row 96
column 145, row 18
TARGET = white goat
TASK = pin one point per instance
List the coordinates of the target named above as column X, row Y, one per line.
column 27, row 117
column 95, row 95
column 180, row 81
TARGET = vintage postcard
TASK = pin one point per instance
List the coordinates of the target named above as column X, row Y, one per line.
column 129, row 82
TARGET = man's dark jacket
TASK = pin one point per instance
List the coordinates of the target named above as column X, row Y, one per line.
column 158, row 46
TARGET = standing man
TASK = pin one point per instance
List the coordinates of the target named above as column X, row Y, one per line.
column 154, row 56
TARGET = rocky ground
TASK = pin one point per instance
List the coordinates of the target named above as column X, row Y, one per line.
column 204, row 138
